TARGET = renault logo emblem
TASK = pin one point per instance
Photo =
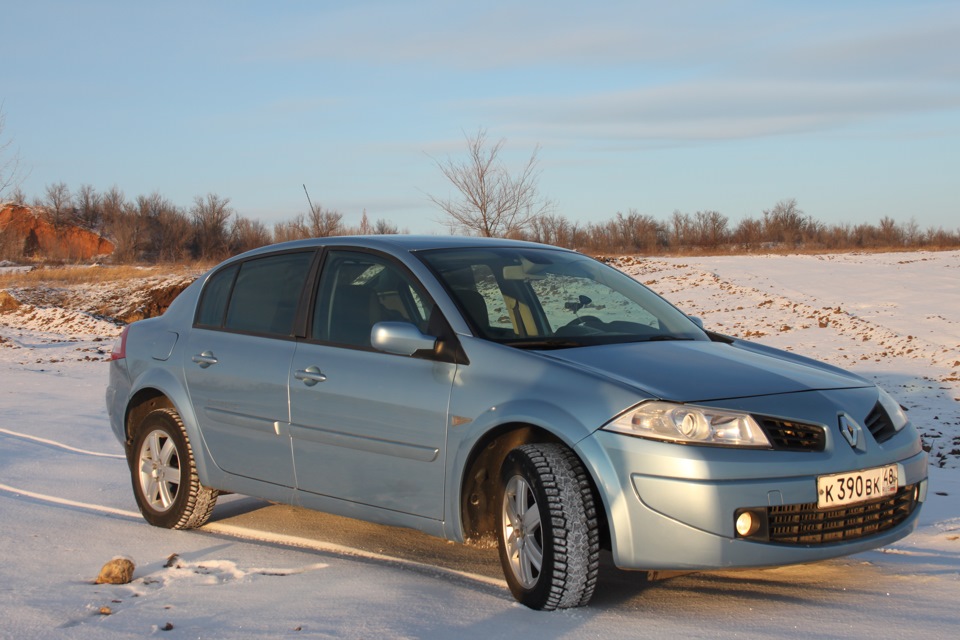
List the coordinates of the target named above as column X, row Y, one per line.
column 851, row 430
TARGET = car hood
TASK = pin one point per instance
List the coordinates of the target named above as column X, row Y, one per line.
column 699, row 371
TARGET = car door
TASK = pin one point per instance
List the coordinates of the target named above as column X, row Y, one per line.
column 238, row 360
column 367, row 426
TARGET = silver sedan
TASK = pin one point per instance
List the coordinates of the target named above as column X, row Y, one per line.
column 475, row 388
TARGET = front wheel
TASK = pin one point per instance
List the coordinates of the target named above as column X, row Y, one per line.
column 165, row 482
column 547, row 527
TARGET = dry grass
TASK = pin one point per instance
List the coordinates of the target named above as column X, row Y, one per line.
column 74, row 275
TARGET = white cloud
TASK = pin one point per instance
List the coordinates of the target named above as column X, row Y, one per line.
column 682, row 71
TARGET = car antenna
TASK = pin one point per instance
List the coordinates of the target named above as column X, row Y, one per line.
column 309, row 202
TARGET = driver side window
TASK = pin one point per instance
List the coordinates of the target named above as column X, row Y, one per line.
column 358, row 290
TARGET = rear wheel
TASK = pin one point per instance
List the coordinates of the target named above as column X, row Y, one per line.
column 165, row 482
column 547, row 527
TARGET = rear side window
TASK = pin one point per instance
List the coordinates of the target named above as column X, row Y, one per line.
column 213, row 304
column 258, row 296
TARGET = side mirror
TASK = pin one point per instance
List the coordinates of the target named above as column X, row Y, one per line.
column 697, row 321
column 400, row 338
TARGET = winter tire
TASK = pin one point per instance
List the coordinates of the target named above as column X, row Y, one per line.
column 547, row 527
column 165, row 481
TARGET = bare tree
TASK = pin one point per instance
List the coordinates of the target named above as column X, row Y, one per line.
column 711, row 227
column 17, row 196
column 553, row 229
column 113, row 203
column 127, row 230
column 385, row 227
column 295, row 229
column 9, row 161
column 748, row 233
column 122, row 225
column 493, row 202
column 211, row 215
column 247, row 234
column 323, row 223
column 911, row 233
column 165, row 228
column 365, row 227
column 681, row 229
column 57, row 204
column 785, row 223
column 171, row 234
column 639, row 232
column 88, row 204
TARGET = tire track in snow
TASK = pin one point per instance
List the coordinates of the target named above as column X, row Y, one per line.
column 43, row 497
column 246, row 533
column 240, row 532
column 60, row 445
column 279, row 539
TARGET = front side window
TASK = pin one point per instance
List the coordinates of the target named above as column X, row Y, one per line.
column 358, row 290
column 529, row 297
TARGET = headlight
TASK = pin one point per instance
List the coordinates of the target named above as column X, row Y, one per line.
column 690, row 424
column 897, row 415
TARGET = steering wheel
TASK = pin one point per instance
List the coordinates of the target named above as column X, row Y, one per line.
column 581, row 325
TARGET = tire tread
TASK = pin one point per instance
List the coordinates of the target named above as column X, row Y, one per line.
column 572, row 515
column 200, row 500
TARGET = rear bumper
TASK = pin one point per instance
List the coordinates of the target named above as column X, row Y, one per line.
column 116, row 395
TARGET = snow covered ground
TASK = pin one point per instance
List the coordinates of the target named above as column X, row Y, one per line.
column 267, row 570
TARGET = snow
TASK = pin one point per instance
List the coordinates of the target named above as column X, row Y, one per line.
column 261, row 569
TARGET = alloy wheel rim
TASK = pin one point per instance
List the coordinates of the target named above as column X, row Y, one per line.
column 522, row 532
column 159, row 470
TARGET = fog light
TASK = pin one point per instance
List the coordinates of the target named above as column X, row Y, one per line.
column 747, row 524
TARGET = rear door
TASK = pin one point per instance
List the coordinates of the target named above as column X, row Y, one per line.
column 237, row 362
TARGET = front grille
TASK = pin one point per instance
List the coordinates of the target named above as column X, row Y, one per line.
column 785, row 435
column 805, row 524
column 880, row 424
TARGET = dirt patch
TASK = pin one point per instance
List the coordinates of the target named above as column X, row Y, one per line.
column 155, row 302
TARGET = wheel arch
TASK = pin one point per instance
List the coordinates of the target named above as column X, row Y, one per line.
column 140, row 404
column 479, row 485
column 159, row 389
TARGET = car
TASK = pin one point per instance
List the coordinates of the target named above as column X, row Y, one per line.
column 476, row 388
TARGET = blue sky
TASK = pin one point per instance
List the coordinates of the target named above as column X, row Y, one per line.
column 852, row 108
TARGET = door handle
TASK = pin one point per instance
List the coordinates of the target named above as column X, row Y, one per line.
column 205, row 359
column 309, row 376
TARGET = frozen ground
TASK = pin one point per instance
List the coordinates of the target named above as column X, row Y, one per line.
column 275, row 571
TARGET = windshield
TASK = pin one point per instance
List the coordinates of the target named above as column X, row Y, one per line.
column 549, row 298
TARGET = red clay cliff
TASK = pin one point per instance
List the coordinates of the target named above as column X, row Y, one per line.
column 25, row 229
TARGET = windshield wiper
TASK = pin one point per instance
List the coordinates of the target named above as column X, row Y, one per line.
column 664, row 338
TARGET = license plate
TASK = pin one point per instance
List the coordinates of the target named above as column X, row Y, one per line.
column 840, row 489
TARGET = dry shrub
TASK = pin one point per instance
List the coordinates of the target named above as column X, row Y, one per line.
column 7, row 302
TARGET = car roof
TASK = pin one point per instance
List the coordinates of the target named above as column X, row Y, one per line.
column 399, row 242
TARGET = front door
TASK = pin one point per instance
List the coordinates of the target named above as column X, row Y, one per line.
column 367, row 426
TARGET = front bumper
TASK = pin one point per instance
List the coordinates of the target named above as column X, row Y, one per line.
column 674, row 507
